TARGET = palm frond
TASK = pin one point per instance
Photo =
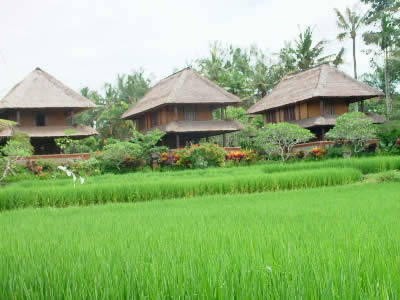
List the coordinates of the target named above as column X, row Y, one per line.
column 341, row 36
column 7, row 124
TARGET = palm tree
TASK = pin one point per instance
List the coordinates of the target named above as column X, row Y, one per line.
column 306, row 54
column 386, row 36
column 349, row 24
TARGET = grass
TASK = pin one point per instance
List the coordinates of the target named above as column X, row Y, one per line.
column 324, row 243
column 134, row 189
column 144, row 186
column 365, row 164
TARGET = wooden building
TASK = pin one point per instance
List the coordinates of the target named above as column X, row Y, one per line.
column 44, row 109
column 314, row 98
column 182, row 105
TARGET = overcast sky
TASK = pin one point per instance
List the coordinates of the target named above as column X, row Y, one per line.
column 87, row 43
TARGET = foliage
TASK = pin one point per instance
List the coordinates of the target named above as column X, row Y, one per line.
column 111, row 104
column 355, row 128
column 335, row 152
column 305, row 54
column 149, row 142
column 130, row 154
column 16, row 147
column 69, row 145
column 200, row 156
column 389, row 140
column 121, row 155
column 279, row 138
column 318, row 152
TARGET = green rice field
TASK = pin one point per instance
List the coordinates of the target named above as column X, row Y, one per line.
column 324, row 243
column 144, row 186
column 307, row 230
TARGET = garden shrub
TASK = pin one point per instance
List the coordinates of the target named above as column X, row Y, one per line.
column 318, row 152
column 121, row 155
column 335, row 152
column 200, row 156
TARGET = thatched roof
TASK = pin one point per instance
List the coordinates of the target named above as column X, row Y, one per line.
column 323, row 81
column 330, row 120
column 184, row 87
column 51, row 131
column 201, row 126
column 41, row 90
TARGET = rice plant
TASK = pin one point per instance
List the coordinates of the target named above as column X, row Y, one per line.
column 126, row 190
column 325, row 243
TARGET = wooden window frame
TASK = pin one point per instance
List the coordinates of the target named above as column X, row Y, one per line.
column 289, row 113
column 190, row 112
column 329, row 108
column 271, row 116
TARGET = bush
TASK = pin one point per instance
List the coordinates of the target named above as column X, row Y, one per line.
column 335, row 152
column 132, row 154
column 121, row 155
column 200, row 156
column 353, row 127
column 318, row 152
column 280, row 138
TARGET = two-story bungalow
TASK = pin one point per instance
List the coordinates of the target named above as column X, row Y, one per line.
column 44, row 109
column 314, row 98
column 182, row 105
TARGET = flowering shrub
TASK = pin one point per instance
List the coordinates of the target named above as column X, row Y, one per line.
column 251, row 155
column 318, row 152
column 200, row 156
column 236, row 156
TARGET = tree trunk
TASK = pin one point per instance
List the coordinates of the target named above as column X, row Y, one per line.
column 387, row 90
column 355, row 70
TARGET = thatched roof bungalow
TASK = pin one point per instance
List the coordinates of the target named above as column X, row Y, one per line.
column 182, row 106
column 314, row 98
column 44, row 108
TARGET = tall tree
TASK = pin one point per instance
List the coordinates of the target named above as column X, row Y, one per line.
column 350, row 23
column 306, row 54
column 115, row 100
column 383, row 14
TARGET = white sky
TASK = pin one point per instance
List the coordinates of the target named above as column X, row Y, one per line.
column 87, row 43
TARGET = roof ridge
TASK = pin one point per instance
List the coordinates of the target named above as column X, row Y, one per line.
column 177, row 86
column 321, row 81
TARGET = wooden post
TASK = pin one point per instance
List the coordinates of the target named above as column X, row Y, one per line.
column 362, row 106
column 223, row 140
column 176, row 113
column 222, row 113
column 72, row 118
column 322, row 133
column 321, row 107
column 178, row 144
column 265, row 118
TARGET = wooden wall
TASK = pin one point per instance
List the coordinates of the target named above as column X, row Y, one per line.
column 311, row 109
column 54, row 118
column 167, row 114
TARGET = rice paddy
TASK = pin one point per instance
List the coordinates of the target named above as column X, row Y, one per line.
column 312, row 230
column 325, row 243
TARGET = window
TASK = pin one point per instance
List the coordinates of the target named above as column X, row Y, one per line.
column 189, row 112
column 271, row 116
column 154, row 121
column 329, row 108
column 289, row 113
column 40, row 119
